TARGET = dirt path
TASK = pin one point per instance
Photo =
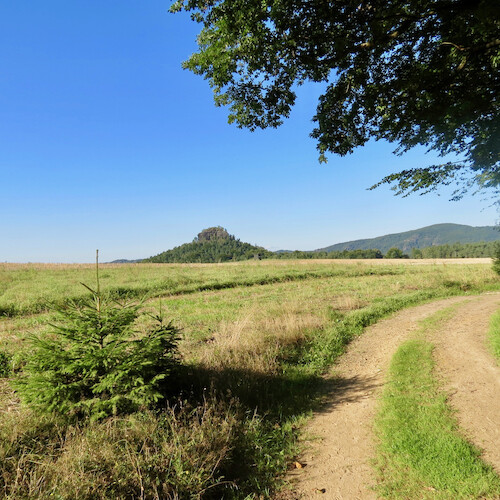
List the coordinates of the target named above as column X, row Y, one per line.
column 337, row 461
column 471, row 376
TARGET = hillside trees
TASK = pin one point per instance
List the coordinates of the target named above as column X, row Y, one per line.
column 214, row 244
column 413, row 73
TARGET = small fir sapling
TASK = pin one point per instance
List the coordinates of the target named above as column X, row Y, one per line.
column 94, row 364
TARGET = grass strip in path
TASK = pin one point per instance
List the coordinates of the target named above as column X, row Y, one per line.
column 421, row 452
column 494, row 335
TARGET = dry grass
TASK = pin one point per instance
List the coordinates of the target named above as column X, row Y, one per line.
column 256, row 341
column 346, row 303
column 176, row 455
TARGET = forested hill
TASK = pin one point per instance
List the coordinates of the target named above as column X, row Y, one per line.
column 438, row 234
column 214, row 244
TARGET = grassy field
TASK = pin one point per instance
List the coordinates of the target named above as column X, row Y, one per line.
column 256, row 338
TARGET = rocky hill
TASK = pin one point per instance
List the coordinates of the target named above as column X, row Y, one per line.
column 214, row 244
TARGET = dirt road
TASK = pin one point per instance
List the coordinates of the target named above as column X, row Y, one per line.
column 341, row 444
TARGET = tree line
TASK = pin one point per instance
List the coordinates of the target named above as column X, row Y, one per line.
column 372, row 253
column 233, row 250
column 448, row 251
column 456, row 250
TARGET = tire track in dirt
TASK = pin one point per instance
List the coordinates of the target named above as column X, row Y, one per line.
column 470, row 375
column 341, row 444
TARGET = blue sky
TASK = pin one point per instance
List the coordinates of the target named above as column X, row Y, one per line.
column 105, row 142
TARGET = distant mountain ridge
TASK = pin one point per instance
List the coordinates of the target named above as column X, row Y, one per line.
column 437, row 234
column 215, row 244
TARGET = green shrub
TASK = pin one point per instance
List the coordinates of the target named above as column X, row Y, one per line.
column 496, row 259
column 94, row 363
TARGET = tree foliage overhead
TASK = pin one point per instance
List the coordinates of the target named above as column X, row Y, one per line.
column 413, row 73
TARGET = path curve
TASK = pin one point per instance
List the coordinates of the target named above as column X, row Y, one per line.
column 470, row 375
column 337, row 460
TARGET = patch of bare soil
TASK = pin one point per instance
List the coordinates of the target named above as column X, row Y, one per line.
column 336, row 464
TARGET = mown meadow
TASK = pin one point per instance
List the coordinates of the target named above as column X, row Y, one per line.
column 256, row 338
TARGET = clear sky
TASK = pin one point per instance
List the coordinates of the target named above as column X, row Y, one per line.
column 105, row 142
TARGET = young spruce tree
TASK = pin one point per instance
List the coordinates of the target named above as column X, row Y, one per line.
column 92, row 363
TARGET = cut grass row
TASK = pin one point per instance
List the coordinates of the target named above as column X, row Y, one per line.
column 31, row 290
column 422, row 453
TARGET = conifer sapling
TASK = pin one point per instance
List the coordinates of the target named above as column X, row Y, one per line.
column 94, row 363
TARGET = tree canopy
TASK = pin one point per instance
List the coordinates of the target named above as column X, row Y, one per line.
column 417, row 72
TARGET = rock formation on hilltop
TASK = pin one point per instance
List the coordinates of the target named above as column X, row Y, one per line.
column 214, row 233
